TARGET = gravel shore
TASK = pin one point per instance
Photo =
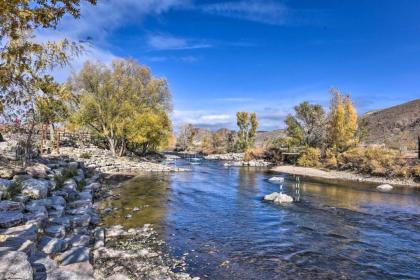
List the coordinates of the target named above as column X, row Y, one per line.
column 341, row 176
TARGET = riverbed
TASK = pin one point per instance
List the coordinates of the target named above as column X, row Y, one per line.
column 215, row 218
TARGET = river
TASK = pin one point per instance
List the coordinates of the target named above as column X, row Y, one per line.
column 216, row 218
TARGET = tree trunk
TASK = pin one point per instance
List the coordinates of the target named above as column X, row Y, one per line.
column 111, row 142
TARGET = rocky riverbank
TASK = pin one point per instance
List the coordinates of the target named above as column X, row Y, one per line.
column 50, row 226
column 237, row 159
column 341, row 176
column 103, row 161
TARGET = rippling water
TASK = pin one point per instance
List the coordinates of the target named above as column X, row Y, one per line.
column 217, row 218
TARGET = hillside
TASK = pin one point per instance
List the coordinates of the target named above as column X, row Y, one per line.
column 397, row 126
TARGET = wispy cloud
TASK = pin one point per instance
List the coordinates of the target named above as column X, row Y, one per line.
column 186, row 59
column 169, row 42
column 270, row 12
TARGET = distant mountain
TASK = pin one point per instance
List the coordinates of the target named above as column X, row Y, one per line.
column 264, row 138
column 396, row 127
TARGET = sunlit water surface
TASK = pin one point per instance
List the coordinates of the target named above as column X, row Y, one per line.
column 217, row 215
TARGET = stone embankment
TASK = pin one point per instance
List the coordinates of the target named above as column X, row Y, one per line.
column 50, row 225
column 103, row 161
column 45, row 225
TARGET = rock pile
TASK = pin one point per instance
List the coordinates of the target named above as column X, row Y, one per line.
column 102, row 160
column 251, row 163
column 227, row 157
column 45, row 230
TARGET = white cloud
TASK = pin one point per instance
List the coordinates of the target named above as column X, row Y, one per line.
column 168, row 42
column 259, row 11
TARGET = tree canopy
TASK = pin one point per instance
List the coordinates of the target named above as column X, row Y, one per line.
column 123, row 104
column 247, row 124
column 24, row 61
column 306, row 126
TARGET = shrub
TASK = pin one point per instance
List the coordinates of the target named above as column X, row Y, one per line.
column 311, row 157
column 374, row 161
column 330, row 160
column 86, row 155
column 415, row 171
column 14, row 189
column 69, row 172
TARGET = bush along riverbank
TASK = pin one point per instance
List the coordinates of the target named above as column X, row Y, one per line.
column 50, row 228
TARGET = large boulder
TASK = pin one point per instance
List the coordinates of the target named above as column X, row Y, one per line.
column 15, row 265
column 279, row 198
column 8, row 205
column 35, row 188
column 74, row 255
column 52, row 245
column 10, row 219
column 38, row 170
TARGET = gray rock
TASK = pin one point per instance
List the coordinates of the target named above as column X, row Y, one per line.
column 73, row 164
column 80, row 220
column 278, row 198
column 10, row 219
column 19, row 244
column 38, row 170
column 80, row 203
column 70, row 184
column 43, row 266
column 75, row 271
column 60, row 193
column 8, row 205
column 27, row 231
column 384, row 187
column 64, row 220
column 58, row 231
column 35, row 188
column 79, row 240
column 15, row 265
column 6, row 172
column 50, row 245
column 85, row 195
column 74, row 255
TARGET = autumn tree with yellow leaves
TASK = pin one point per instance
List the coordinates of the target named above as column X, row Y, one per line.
column 343, row 122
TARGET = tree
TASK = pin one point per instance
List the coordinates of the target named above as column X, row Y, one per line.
column 24, row 62
column 343, row 122
column 306, row 126
column 185, row 138
column 247, row 124
column 124, row 104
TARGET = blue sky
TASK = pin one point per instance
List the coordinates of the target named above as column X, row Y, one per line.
column 220, row 57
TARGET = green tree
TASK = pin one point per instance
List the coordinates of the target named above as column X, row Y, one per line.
column 123, row 104
column 24, row 61
column 247, row 124
column 307, row 125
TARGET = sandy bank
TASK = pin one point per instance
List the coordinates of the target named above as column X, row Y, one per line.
column 333, row 176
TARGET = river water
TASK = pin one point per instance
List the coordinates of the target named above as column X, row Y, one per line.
column 216, row 217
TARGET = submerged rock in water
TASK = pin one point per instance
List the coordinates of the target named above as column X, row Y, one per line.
column 384, row 187
column 276, row 179
column 279, row 198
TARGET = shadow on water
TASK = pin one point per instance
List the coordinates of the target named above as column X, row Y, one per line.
column 217, row 218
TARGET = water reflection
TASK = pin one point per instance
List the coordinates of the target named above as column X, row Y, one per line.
column 217, row 216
